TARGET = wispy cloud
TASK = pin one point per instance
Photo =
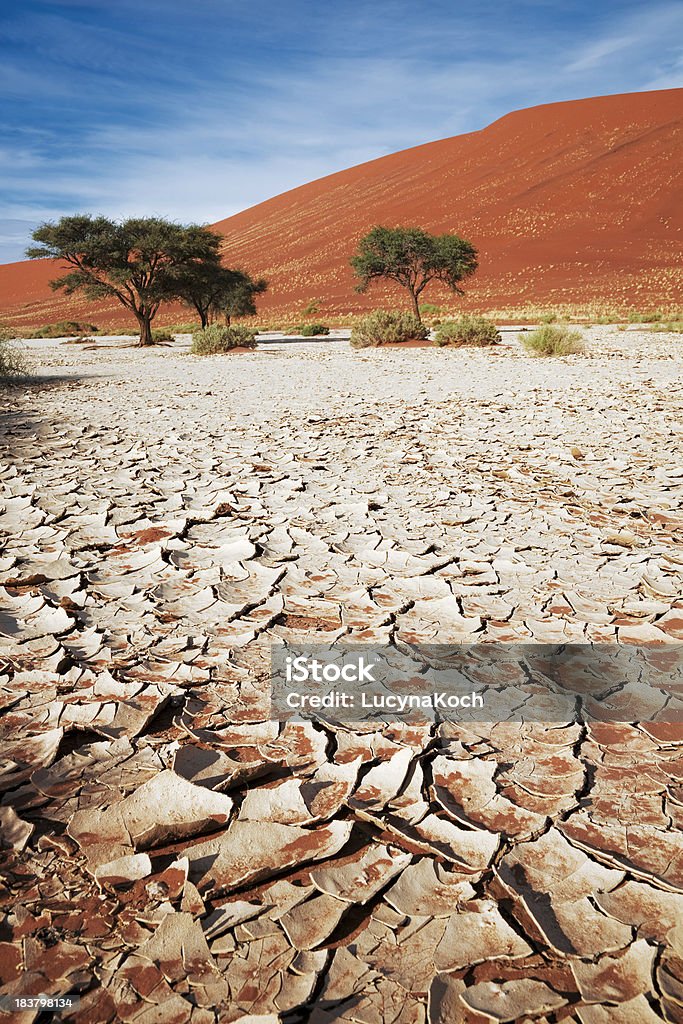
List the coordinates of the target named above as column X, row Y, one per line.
column 645, row 37
column 221, row 108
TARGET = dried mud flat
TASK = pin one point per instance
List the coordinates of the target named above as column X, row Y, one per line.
column 173, row 855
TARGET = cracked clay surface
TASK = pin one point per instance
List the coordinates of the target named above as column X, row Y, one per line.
column 173, row 855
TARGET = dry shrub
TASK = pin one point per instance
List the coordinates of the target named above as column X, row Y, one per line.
column 553, row 341
column 387, row 327
column 467, row 330
column 217, row 338
column 13, row 362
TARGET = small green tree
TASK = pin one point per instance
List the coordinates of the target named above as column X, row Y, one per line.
column 215, row 290
column 202, row 285
column 136, row 261
column 413, row 258
column 240, row 299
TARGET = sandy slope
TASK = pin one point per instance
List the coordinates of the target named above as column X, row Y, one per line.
column 569, row 203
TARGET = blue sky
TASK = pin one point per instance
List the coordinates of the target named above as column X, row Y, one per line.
column 195, row 110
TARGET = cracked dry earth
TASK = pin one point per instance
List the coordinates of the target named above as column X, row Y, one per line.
column 173, row 855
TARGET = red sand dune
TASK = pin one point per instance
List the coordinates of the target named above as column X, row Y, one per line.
column 568, row 203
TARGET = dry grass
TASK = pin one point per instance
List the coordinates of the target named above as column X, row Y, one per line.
column 551, row 340
column 387, row 327
column 467, row 330
column 217, row 338
column 13, row 361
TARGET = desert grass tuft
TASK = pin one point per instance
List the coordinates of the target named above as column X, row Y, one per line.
column 13, row 362
column 387, row 327
column 308, row 330
column 550, row 340
column 467, row 330
column 670, row 327
column 217, row 338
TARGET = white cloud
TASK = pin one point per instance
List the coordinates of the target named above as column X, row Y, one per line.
column 649, row 36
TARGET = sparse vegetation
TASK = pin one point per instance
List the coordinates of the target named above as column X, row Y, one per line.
column 467, row 330
column 184, row 328
column 309, row 330
column 311, row 308
column 636, row 317
column 413, row 258
column 119, row 332
column 130, row 332
column 217, row 338
column 160, row 334
column 62, row 329
column 548, row 318
column 670, row 327
column 384, row 327
column 550, row 340
column 13, row 362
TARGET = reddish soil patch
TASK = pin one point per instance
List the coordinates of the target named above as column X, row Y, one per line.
column 314, row 623
column 150, row 535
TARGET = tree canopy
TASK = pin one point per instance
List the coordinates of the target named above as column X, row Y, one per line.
column 214, row 290
column 413, row 258
column 240, row 299
column 137, row 261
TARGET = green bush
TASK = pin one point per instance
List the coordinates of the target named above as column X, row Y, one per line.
column 636, row 317
column 13, row 362
column 552, row 341
column 311, row 307
column 184, row 328
column 548, row 318
column 308, row 330
column 313, row 330
column 387, row 327
column 161, row 334
column 62, row 329
column 218, row 338
column 66, row 329
column 467, row 330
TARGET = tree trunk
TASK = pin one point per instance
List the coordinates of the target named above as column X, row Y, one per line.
column 145, row 330
column 416, row 307
column 203, row 312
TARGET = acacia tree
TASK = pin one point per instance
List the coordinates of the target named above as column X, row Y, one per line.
column 240, row 299
column 214, row 290
column 413, row 258
column 136, row 261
